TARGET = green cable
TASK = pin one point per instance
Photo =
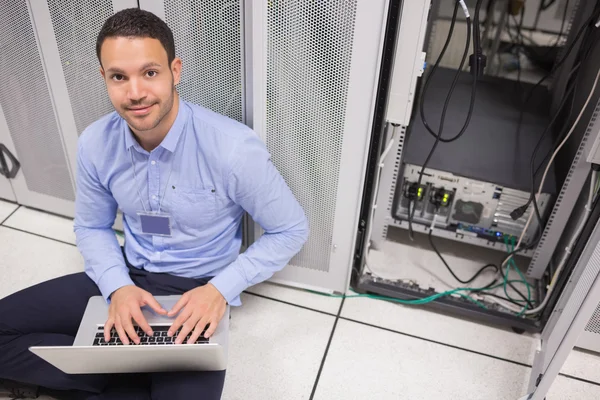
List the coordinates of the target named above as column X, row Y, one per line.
column 512, row 249
column 512, row 263
column 508, row 266
column 424, row 300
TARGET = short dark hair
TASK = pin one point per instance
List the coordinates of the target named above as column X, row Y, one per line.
column 133, row 22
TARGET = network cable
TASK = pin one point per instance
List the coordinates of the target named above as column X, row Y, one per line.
column 588, row 208
column 433, row 246
column 518, row 212
column 541, row 186
column 432, row 73
column 477, row 63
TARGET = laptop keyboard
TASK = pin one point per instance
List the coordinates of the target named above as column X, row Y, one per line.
column 159, row 338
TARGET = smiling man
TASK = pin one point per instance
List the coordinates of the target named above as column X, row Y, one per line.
column 183, row 176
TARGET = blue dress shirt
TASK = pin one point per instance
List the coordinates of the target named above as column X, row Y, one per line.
column 207, row 171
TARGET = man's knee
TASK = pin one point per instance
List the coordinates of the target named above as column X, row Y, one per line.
column 187, row 385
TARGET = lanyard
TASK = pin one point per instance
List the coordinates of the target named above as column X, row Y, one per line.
column 138, row 187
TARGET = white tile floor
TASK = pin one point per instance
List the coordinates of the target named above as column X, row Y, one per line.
column 292, row 344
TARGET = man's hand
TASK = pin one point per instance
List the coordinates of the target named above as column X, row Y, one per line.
column 201, row 306
column 126, row 303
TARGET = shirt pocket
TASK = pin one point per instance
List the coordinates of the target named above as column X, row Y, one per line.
column 194, row 207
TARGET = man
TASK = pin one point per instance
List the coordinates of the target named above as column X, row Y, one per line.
column 183, row 177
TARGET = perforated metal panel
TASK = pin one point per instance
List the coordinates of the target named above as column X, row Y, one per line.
column 208, row 40
column 309, row 59
column 594, row 325
column 76, row 25
column 27, row 105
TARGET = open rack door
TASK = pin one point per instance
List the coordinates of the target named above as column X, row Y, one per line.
column 303, row 75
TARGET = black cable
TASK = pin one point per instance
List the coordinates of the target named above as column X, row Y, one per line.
column 529, row 303
column 432, row 73
column 438, row 136
column 537, row 147
column 511, row 254
column 545, row 6
column 558, row 64
column 450, row 269
column 410, row 218
column 517, row 213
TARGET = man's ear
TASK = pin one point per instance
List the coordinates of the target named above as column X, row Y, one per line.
column 176, row 70
column 102, row 72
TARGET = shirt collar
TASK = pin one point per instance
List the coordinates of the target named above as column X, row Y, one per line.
column 170, row 141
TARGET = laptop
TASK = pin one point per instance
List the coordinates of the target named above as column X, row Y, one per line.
column 91, row 354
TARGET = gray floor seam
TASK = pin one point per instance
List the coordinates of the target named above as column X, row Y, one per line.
column 318, row 378
column 10, row 215
column 38, row 235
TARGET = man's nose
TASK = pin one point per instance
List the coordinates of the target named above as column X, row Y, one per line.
column 136, row 91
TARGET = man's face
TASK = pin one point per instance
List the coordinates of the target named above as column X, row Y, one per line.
column 139, row 80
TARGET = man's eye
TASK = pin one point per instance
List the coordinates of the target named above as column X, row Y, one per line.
column 117, row 77
column 151, row 74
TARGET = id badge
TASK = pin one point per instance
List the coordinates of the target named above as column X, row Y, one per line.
column 157, row 224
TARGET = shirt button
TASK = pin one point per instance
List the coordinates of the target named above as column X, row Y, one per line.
column 153, row 162
column 154, row 197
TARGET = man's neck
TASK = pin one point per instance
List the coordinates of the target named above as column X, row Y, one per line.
column 152, row 139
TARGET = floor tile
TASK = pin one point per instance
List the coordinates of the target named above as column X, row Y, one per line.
column 370, row 363
column 300, row 297
column 41, row 223
column 44, row 224
column 27, row 259
column 564, row 388
column 442, row 328
column 583, row 364
column 275, row 350
column 6, row 208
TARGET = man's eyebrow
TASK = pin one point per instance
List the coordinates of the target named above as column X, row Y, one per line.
column 115, row 70
column 151, row 64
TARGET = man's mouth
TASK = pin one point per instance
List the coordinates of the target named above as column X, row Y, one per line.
column 140, row 110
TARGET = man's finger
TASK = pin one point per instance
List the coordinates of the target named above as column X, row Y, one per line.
column 155, row 305
column 198, row 330
column 178, row 306
column 179, row 321
column 120, row 331
column 107, row 329
column 141, row 321
column 186, row 328
column 212, row 328
column 128, row 327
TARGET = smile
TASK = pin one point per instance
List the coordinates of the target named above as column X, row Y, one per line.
column 140, row 110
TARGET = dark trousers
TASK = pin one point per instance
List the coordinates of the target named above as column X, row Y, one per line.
column 49, row 314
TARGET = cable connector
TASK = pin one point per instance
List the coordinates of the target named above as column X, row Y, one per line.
column 465, row 8
column 518, row 212
column 477, row 63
